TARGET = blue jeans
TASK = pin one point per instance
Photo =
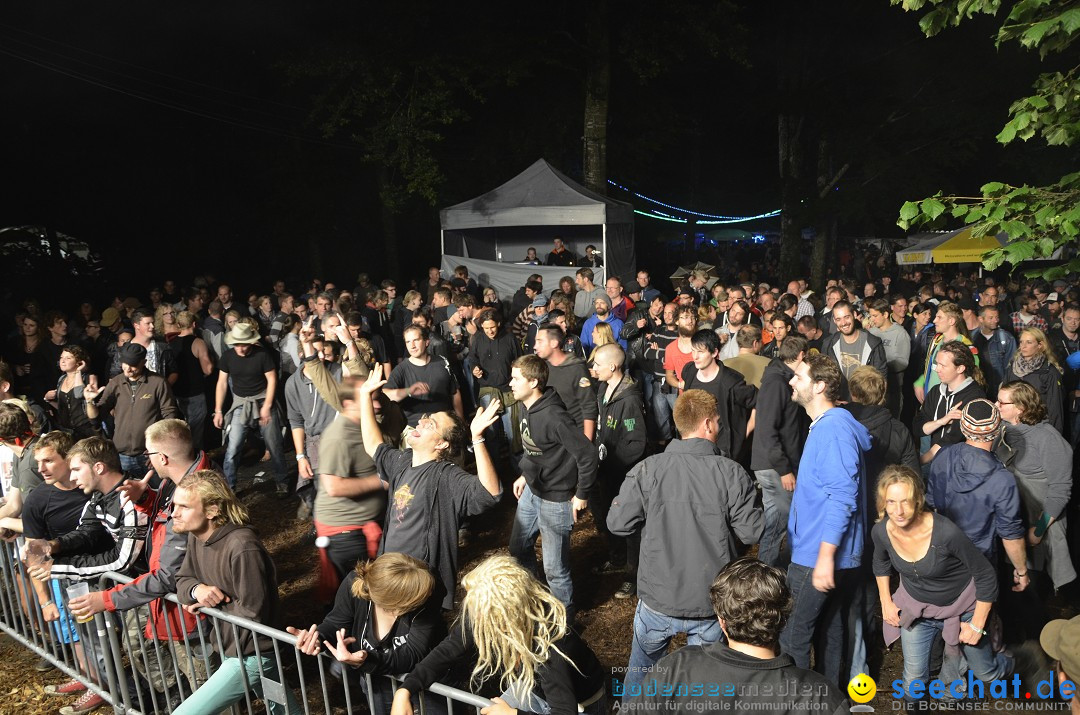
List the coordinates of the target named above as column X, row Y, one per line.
column 664, row 407
column 194, row 411
column 776, row 502
column 137, row 464
column 653, row 632
column 822, row 614
column 552, row 521
column 917, row 641
column 236, row 432
column 226, row 687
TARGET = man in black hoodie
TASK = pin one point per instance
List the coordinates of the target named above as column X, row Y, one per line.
column 939, row 417
column 781, row 429
column 620, row 440
column 570, row 378
column 558, row 471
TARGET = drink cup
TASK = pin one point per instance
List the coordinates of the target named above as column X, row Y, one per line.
column 77, row 590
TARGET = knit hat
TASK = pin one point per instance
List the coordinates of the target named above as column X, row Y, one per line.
column 603, row 297
column 1061, row 640
column 981, row 421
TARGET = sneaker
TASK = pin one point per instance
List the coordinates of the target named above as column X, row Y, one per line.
column 625, row 591
column 607, row 568
column 71, row 687
column 44, row 666
column 89, row 702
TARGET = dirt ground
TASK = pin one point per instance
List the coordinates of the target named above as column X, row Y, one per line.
column 605, row 621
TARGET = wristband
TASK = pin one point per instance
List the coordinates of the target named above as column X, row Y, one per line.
column 1017, row 573
column 479, row 440
column 1042, row 525
column 980, row 631
column 48, row 603
column 301, row 456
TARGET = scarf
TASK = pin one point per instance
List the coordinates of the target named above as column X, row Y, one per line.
column 1022, row 366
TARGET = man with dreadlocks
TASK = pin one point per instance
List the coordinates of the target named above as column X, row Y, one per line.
column 429, row 494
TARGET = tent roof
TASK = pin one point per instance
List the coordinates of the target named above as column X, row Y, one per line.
column 949, row 247
column 539, row 196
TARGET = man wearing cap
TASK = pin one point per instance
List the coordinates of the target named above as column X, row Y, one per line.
column 137, row 398
column 1060, row 639
column 253, row 373
column 539, row 307
column 602, row 314
column 686, row 296
column 1051, row 310
column 968, row 484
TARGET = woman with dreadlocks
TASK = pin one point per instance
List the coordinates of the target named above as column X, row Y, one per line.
column 516, row 631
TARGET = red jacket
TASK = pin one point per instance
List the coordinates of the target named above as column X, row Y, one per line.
column 166, row 554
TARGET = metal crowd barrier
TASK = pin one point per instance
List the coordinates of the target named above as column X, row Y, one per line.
column 141, row 676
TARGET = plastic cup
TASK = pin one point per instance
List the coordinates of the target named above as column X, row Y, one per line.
column 77, row 590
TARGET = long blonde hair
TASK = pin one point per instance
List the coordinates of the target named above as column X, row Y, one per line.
column 515, row 622
column 214, row 491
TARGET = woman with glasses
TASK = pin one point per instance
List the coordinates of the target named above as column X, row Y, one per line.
column 165, row 325
column 1041, row 460
column 1035, row 363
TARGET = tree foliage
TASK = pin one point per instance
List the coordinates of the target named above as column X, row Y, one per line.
column 1038, row 220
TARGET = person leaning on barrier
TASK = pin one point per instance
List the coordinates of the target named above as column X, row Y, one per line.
column 172, row 456
column 227, row 567
column 515, row 632
column 385, row 619
column 752, row 602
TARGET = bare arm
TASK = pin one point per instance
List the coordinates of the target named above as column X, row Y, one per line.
column 485, row 468
column 200, row 351
column 369, row 426
column 12, row 508
column 220, row 390
column 353, row 487
column 1016, row 550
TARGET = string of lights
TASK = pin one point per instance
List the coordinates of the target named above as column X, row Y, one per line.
column 709, row 218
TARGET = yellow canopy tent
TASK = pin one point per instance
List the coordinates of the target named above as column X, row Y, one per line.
column 952, row 247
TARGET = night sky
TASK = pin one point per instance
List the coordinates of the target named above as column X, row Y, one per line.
column 184, row 139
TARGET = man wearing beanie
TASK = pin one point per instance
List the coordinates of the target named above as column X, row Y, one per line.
column 137, row 398
column 1060, row 639
column 969, row 485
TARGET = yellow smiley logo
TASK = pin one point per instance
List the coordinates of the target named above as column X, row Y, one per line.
column 862, row 688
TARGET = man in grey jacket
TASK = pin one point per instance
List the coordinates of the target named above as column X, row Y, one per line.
column 694, row 504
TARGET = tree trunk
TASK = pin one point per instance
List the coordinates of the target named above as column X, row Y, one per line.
column 389, row 227
column 791, row 194
column 597, row 92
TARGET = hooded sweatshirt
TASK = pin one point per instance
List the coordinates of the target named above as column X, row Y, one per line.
column 939, row 402
column 558, row 462
column 972, row 488
column 620, row 427
column 891, row 440
column 830, row 502
column 571, row 380
column 234, row 559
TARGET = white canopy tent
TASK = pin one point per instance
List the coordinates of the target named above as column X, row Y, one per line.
column 529, row 210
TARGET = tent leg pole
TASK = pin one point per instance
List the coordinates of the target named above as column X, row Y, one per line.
column 603, row 246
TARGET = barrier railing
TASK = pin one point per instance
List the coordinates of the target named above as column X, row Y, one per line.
column 134, row 674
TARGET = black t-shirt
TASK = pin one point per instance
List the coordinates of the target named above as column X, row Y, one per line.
column 248, row 373
column 440, row 381
column 50, row 512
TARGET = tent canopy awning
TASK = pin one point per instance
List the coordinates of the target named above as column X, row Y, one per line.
column 539, row 196
column 952, row 247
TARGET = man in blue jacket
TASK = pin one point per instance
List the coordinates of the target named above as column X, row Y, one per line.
column 827, row 524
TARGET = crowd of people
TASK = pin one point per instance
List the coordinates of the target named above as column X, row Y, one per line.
column 900, row 451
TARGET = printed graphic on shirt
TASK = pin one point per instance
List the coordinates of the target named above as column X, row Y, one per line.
column 527, row 443
column 403, row 497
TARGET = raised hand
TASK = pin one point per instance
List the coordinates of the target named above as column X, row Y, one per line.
column 485, row 417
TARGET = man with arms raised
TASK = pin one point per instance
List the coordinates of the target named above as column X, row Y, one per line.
column 429, row 494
